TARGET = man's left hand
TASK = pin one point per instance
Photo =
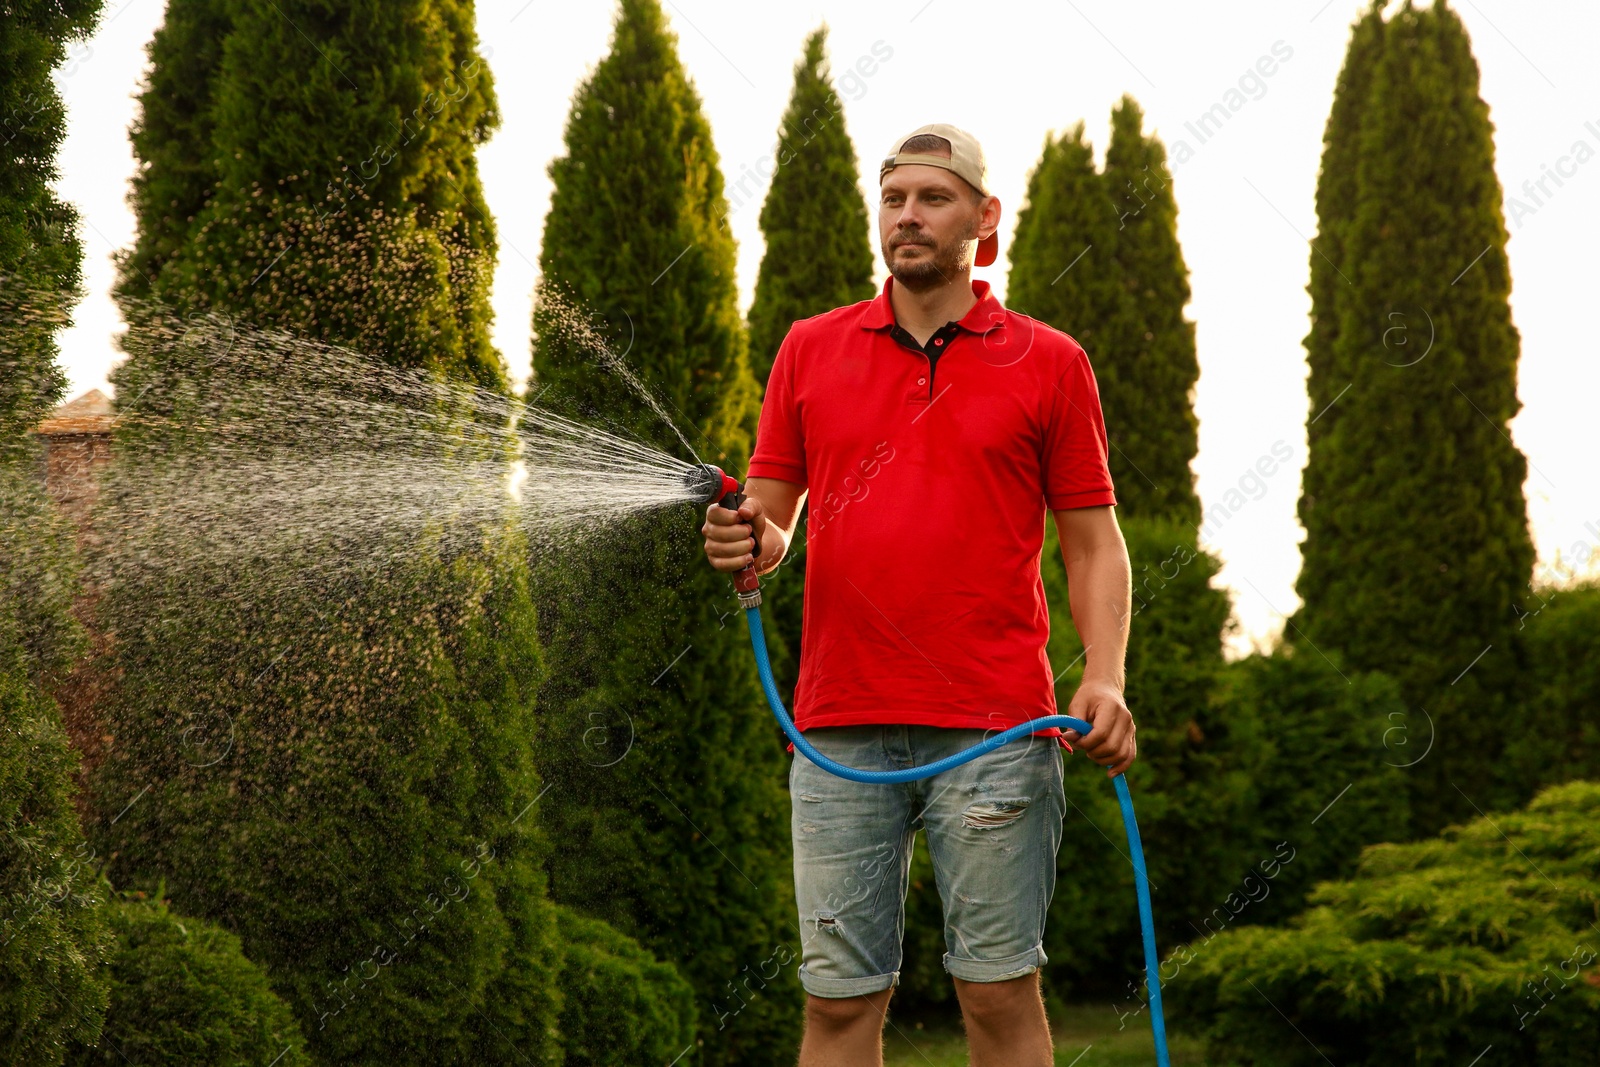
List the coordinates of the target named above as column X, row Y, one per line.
column 1111, row 743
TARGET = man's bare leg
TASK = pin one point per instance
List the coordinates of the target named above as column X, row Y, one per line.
column 844, row 1031
column 1006, row 1025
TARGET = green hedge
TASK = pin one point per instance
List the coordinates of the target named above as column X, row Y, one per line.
column 1190, row 783
column 323, row 738
column 1327, row 777
column 182, row 991
column 1432, row 953
column 325, row 713
column 620, row 1005
column 1560, row 738
column 675, row 826
column 52, row 933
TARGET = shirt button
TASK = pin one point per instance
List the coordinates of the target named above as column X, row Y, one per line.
column 938, row 340
column 922, row 381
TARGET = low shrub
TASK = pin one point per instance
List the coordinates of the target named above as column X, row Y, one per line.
column 1434, row 952
column 182, row 991
column 620, row 1005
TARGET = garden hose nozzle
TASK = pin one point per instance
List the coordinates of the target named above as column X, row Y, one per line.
column 711, row 486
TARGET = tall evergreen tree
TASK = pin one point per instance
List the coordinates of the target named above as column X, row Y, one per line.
column 1096, row 255
column 1336, row 194
column 682, row 837
column 327, row 180
column 53, row 935
column 818, row 237
column 818, row 257
column 357, row 816
column 1417, row 551
column 173, row 137
column 40, row 254
column 1148, row 367
column 1063, row 255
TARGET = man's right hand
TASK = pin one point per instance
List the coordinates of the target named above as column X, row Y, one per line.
column 733, row 538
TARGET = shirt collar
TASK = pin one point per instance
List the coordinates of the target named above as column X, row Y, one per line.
column 987, row 314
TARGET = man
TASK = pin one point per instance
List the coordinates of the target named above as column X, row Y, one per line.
column 932, row 429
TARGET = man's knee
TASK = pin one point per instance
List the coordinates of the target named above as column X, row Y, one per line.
column 998, row 1003
column 847, row 1013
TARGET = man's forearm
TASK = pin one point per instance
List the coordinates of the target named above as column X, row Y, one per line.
column 781, row 502
column 774, row 547
column 1100, row 595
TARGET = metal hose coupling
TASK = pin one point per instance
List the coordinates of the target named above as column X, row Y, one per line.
column 709, row 485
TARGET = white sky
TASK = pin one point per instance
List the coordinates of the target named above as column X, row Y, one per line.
column 1010, row 72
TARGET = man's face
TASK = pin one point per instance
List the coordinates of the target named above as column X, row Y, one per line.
column 927, row 221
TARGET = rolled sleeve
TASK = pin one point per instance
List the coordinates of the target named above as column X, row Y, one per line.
column 780, row 450
column 1076, row 469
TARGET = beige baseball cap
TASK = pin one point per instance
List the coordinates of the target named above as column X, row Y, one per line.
column 965, row 162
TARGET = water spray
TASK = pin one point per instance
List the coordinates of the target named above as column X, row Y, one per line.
column 709, row 485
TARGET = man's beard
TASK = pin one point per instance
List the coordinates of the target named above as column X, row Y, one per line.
column 946, row 262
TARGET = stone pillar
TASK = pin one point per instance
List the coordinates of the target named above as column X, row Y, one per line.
column 77, row 443
column 77, row 446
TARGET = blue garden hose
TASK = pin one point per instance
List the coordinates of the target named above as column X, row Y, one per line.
column 758, row 644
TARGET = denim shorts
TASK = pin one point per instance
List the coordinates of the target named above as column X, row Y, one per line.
column 993, row 826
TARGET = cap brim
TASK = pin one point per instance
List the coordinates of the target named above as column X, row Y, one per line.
column 988, row 249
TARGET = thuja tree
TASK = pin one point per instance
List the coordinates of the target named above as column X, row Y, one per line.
column 1096, row 256
column 322, row 735
column 316, row 172
column 1191, row 777
column 1336, row 192
column 53, row 937
column 173, row 137
column 620, row 1005
column 1148, row 368
column 1417, row 553
column 1063, row 254
column 667, row 810
column 1320, row 787
column 818, row 257
column 818, row 242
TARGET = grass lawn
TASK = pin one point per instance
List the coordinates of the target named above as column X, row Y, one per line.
column 1086, row 1036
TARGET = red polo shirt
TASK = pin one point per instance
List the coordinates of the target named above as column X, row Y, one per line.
column 929, row 492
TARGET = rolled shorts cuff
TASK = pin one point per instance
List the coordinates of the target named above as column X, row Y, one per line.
column 846, row 987
column 996, row 970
